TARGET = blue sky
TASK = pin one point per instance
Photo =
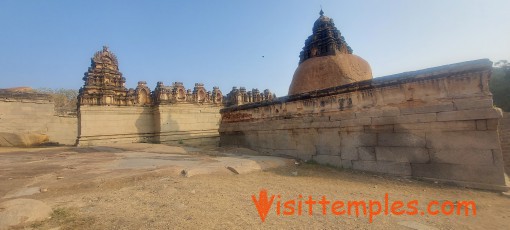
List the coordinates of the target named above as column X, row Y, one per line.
column 221, row 43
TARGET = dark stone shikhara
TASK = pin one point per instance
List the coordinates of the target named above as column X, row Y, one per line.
column 105, row 85
column 325, row 40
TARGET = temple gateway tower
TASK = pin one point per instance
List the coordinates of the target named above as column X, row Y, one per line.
column 327, row 61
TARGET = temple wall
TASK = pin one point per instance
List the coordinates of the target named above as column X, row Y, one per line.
column 187, row 123
column 115, row 124
column 504, row 136
column 179, row 123
column 437, row 124
column 29, row 119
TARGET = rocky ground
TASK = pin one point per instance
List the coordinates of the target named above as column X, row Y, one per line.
column 145, row 186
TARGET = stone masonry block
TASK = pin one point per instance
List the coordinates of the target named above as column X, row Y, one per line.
column 454, row 172
column 395, row 168
column 416, row 118
column 346, row 164
column 369, row 113
column 356, row 122
column 412, row 118
column 426, row 109
column 402, row 154
column 415, row 139
column 462, row 156
column 464, row 104
column 481, row 124
column 328, row 160
column 366, row 153
column 378, row 128
column 475, row 114
column 384, row 120
column 349, row 153
column 356, row 139
column 463, row 140
column 390, row 111
column 492, row 124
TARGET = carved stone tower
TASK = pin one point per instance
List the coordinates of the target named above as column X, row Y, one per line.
column 325, row 40
column 327, row 61
column 104, row 84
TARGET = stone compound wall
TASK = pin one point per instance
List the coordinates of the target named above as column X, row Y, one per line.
column 436, row 124
column 115, row 124
column 28, row 119
column 179, row 123
column 504, row 136
column 192, row 124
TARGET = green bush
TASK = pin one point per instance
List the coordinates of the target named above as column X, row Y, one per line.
column 500, row 85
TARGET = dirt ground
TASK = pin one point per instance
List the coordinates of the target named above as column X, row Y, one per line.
column 144, row 186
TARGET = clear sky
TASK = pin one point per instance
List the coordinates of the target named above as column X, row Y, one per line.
column 221, row 43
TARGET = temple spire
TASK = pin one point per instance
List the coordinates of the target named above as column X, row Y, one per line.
column 325, row 40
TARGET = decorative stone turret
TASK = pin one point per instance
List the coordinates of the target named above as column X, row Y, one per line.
column 327, row 61
column 241, row 96
column 178, row 94
column 143, row 93
column 199, row 93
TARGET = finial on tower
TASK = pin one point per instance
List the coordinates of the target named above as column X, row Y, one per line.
column 322, row 12
column 105, row 48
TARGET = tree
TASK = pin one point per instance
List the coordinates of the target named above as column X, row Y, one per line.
column 500, row 85
column 65, row 100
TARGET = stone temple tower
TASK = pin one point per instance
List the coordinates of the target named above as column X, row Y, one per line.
column 327, row 61
column 104, row 83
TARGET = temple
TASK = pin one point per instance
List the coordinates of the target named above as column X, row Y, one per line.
column 327, row 61
column 109, row 112
column 436, row 124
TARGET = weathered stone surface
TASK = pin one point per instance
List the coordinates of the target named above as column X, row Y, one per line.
column 417, row 118
column 431, row 126
column 481, row 125
column 454, row 172
column 504, row 136
column 401, row 139
column 402, row 154
column 27, row 122
column 349, row 153
column 378, row 128
column 22, row 139
column 328, row 142
column 462, row 156
column 356, row 139
column 474, row 114
column 328, row 160
column 412, row 118
column 395, row 168
column 465, row 104
column 356, row 122
column 369, row 113
column 410, row 109
column 462, row 140
column 366, row 153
